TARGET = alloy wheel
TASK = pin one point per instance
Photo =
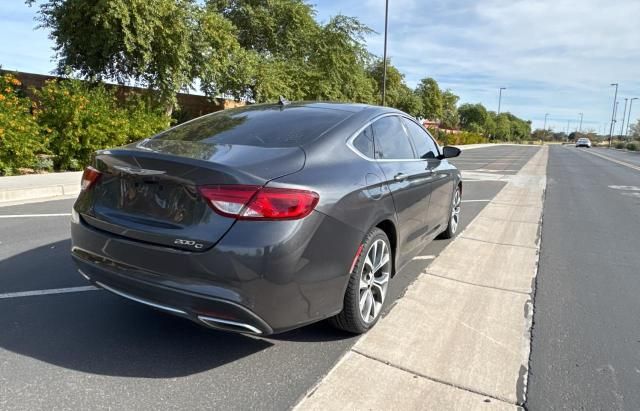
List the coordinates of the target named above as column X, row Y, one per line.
column 374, row 279
column 455, row 211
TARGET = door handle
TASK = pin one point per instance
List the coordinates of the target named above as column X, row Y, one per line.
column 400, row 177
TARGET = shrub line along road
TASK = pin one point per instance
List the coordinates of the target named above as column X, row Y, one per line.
column 91, row 349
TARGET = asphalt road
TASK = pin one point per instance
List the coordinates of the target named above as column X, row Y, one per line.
column 586, row 332
column 93, row 350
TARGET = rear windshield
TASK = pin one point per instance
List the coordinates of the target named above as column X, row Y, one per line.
column 263, row 126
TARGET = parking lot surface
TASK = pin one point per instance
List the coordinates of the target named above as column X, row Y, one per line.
column 65, row 345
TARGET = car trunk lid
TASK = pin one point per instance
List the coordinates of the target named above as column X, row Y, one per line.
column 149, row 191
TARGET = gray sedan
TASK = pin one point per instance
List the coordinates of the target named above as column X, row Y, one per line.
column 269, row 217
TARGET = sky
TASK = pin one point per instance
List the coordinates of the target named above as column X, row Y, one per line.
column 553, row 56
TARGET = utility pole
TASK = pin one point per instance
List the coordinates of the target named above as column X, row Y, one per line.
column 613, row 113
column 384, row 58
column 580, row 127
column 500, row 98
column 545, row 125
column 624, row 116
column 629, row 116
column 615, row 116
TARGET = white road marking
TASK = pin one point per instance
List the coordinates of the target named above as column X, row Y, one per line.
column 35, row 215
column 424, row 257
column 629, row 188
column 475, row 201
column 488, row 170
column 47, row 292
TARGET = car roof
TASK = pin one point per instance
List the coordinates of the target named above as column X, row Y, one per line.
column 329, row 105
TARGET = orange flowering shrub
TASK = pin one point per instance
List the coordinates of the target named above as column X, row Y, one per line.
column 79, row 118
column 20, row 137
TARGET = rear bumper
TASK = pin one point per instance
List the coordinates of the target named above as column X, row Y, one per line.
column 261, row 278
column 213, row 312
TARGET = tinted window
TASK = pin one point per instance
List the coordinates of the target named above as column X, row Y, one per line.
column 390, row 139
column 364, row 142
column 265, row 126
column 422, row 142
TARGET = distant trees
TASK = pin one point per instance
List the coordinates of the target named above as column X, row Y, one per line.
column 253, row 49
column 634, row 130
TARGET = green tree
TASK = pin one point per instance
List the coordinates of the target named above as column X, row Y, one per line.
column 285, row 28
column 503, row 127
column 450, row 116
column 408, row 101
column 398, row 94
column 473, row 117
column 431, row 96
column 162, row 44
column 291, row 54
column 338, row 59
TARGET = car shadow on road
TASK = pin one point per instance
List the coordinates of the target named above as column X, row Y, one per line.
column 99, row 333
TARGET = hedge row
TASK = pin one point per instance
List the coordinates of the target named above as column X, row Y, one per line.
column 66, row 122
column 464, row 137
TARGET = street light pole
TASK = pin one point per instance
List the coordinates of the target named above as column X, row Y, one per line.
column 624, row 116
column 629, row 116
column 500, row 98
column 580, row 127
column 384, row 58
column 613, row 113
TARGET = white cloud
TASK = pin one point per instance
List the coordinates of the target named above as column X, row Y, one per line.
column 555, row 56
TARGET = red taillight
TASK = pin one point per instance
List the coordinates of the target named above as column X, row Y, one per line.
column 260, row 203
column 89, row 178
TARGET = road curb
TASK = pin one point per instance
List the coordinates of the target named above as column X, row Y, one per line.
column 17, row 190
column 459, row 329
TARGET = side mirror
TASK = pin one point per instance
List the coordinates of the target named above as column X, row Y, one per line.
column 450, row 152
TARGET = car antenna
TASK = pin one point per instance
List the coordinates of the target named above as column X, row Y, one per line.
column 283, row 101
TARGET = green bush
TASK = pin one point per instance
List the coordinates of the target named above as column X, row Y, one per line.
column 469, row 138
column 619, row 146
column 79, row 118
column 20, row 138
column 632, row 147
column 451, row 139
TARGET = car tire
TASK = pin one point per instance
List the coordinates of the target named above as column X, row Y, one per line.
column 369, row 280
column 454, row 215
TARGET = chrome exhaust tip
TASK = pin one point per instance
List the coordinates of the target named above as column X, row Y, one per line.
column 228, row 325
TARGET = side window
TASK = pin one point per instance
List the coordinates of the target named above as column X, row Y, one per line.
column 364, row 142
column 390, row 139
column 422, row 141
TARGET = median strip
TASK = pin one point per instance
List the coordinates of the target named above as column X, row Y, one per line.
column 460, row 336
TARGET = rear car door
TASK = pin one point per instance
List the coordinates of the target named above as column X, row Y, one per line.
column 407, row 179
column 440, row 176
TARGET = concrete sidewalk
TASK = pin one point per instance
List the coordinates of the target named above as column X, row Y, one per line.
column 460, row 336
column 38, row 187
